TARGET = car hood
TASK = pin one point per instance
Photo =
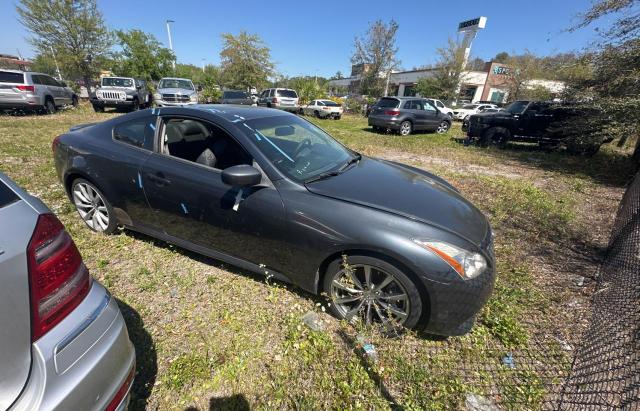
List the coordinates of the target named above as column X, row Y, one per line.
column 495, row 114
column 182, row 91
column 412, row 193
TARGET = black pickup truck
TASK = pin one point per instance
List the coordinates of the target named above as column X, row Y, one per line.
column 545, row 123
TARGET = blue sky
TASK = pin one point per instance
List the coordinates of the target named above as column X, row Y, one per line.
column 316, row 36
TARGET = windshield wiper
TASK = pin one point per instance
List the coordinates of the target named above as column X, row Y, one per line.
column 357, row 157
column 322, row 176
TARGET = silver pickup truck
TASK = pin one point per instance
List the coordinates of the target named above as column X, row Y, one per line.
column 174, row 91
column 121, row 92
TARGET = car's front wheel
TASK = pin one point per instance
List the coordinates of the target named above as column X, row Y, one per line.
column 93, row 207
column 405, row 128
column 372, row 290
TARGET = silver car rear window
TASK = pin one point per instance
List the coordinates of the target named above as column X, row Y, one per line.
column 287, row 93
column 11, row 77
column 7, row 196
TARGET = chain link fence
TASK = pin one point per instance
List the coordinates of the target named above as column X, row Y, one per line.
column 605, row 373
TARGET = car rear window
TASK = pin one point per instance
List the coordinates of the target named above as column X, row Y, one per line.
column 235, row 94
column 7, row 196
column 10, row 77
column 330, row 103
column 388, row 103
column 287, row 93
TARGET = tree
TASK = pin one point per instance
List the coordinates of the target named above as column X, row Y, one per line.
column 245, row 60
column 73, row 28
column 444, row 84
column 522, row 69
column 376, row 52
column 141, row 56
column 308, row 88
column 613, row 82
column 337, row 76
column 476, row 64
column 501, row 57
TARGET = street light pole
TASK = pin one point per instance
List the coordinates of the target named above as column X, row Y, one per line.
column 173, row 63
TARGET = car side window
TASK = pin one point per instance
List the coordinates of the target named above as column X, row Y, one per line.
column 50, row 81
column 428, row 106
column 439, row 104
column 138, row 132
column 408, row 105
column 201, row 142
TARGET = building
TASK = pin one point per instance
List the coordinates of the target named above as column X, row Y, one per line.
column 8, row 61
column 489, row 84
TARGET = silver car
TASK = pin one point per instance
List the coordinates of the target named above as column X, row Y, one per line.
column 25, row 90
column 282, row 98
column 63, row 342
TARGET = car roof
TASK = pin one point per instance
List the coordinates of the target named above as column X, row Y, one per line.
column 175, row 78
column 233, row 112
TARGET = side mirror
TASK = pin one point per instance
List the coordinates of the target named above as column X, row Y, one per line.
column 241, row 176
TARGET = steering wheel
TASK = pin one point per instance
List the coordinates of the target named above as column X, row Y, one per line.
column 304, row 143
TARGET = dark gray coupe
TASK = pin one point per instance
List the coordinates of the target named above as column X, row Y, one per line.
column 270, row 192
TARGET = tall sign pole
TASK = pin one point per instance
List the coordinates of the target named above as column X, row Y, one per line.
column 173, row 62
column 469, row 29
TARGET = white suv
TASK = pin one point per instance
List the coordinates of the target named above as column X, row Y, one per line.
column 440, row 105
column 283, row 98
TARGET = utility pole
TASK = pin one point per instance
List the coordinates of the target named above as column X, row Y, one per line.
column 203, row 65
column 173, row 63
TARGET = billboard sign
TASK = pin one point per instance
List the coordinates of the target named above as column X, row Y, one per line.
column 473, row 24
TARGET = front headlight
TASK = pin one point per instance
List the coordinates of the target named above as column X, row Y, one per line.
column 193, row 98
column 157, row 96
column 466, row 263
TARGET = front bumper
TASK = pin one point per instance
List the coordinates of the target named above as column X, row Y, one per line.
column 83, row 362
column 162, row 103
column 111, row 103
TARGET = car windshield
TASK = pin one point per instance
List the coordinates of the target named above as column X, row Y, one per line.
column 296, row 147
column 175, row 83
column 235, row 94
column 470, row 106
column 387, row 103
column 287, row 93
column 517, row 107
column 117, row 82
column 330, row 103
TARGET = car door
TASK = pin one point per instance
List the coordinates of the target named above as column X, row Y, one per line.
column 55, row 90
column 413, row 110
column 431, row 119
column 535, row 120
column 190, row 202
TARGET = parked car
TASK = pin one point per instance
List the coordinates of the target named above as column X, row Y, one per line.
column 407, row 114
column 535, row 122
column 469, row 109
column 174, row 91
column 440, row 106
column 237, row 97
column 282, row 98
column 121, row 92
column 272, row 193
column 25, row 90
column 323, row 109
column 64, row 342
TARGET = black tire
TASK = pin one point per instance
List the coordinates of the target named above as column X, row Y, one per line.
column 49, row 106
column 497, row 135
column 375, row 129
column 414, row 297
column 443, row 127
column 112, row 223
column 98, row 109
column 136, row 105
column 406, row 128
column 337, row 117
column 317, row 114
column 74, row 101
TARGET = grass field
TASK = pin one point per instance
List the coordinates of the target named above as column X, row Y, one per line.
column 209, row 335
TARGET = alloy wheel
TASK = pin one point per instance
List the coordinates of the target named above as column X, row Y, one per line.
column 442, row 128
column 371, row 294
column 91, row 206
column 405, row 128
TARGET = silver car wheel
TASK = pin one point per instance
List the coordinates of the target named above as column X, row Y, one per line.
column 369, row 293
column 91, row 207
column 405, row 128
column 442, row 128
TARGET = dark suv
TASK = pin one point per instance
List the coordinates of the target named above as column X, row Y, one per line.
column 407, row 114
column 545, row 123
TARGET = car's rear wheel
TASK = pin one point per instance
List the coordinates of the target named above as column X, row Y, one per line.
column 49, row 106
column 136, row 105
column 443, row 127
column 372, row 290
column 74, row 101
column 93, row 207
column 316, row 113
column 406, row 128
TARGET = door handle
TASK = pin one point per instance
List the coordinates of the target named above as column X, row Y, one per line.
column 159, row 179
